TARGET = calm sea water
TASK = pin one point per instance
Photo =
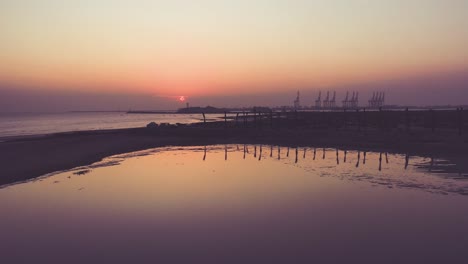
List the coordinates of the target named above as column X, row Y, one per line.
column 241, row 204
column 19, row 124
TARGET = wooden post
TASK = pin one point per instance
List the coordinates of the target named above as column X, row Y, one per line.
column 297, row 152
column 380, row 162
column 337, row 157
column 204, row 118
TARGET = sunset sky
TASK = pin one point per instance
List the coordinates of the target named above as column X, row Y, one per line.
column 209, row 49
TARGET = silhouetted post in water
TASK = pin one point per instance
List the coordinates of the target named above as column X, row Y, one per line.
column 380, row 162
column 345, row 154
column 297, row 151
column 337, row 157
column 323, row 153
column 244, row 151
column 386, row 157
column 365, row 155
column 304, row 153
column 225, row 152
column 204, row 154
column 271, row 151
column 406, row 161
column 287, row 153
column 279, row 152
column 315, row 152
column 433, row 120
column 407, row 119
column 237, row 147
column 255, row 151
column 358, row 159
column 204, row 118
column 431, row 165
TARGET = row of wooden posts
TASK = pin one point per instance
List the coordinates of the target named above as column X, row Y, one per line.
column 381, row 155
column 292, row 118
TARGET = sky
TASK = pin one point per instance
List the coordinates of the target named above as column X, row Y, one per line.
column 260, row 52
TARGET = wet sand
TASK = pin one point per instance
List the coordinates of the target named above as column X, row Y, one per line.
column 30, row 157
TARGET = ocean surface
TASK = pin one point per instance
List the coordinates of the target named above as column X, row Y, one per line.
column 21, row 124
column 241, row 204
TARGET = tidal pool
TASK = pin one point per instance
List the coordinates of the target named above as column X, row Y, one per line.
column 241, row 204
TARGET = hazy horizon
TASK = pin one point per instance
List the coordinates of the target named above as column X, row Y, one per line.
column 120, row 55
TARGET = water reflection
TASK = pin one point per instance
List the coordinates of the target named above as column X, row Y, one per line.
column 217, row 198
column 430, row 165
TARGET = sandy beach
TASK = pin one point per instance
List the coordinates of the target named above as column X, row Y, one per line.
column 26, row 158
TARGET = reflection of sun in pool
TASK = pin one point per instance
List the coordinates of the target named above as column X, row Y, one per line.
column 181, row 98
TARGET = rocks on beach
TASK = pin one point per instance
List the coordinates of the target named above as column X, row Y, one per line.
column 152, row 125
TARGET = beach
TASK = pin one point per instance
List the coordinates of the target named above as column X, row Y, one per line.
column 28, row 157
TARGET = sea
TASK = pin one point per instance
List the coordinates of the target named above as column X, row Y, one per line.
column 26, row 124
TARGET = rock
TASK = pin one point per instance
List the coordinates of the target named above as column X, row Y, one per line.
column 152, row 125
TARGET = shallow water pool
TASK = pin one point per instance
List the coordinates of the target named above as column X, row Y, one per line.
column 241, row 204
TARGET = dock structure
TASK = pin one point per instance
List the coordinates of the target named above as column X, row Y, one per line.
column 333, row 100
column 377, row 100
column 352, row 102
column 329, row 103
column 318, row 102
column 297, row 102
column 345, row 101
column 326, row 102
